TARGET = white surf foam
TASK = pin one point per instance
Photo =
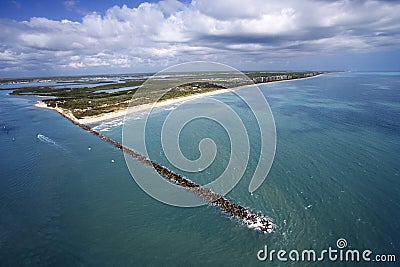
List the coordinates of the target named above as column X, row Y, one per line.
column 108, row 125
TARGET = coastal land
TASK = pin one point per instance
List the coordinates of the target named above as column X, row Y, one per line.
column 129, row 109
column 88, row 105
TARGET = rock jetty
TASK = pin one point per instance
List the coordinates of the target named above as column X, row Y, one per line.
column 249, row 218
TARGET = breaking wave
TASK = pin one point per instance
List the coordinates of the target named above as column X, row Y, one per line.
column 108, row 125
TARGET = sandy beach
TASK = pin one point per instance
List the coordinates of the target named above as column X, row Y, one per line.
column 130, row 110
column 141, row 108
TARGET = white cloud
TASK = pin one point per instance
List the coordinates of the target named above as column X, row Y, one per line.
column 168, row 32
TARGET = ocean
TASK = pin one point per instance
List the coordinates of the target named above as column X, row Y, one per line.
column 67, row 198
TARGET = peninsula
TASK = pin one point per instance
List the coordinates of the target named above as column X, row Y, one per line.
column 90, row 104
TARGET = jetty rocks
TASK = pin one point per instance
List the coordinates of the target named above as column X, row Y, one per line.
column 246, row 216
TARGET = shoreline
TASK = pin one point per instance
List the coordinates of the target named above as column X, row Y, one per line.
column 144, row 107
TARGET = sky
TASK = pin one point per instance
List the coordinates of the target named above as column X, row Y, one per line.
column 79, row 37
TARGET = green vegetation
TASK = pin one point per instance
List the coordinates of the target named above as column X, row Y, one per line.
column 85, row 101
column 190, row 89
column 88, row 101
column 72, row 92
column 92, row 104
column 98, row 103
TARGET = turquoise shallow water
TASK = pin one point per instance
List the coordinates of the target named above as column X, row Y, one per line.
column 335, row 175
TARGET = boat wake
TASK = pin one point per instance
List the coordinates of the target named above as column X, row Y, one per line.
column 49, row 141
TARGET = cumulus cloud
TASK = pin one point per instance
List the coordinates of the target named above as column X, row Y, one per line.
column 153, row 35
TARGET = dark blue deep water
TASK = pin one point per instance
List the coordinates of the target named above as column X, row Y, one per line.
column 336, row 175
